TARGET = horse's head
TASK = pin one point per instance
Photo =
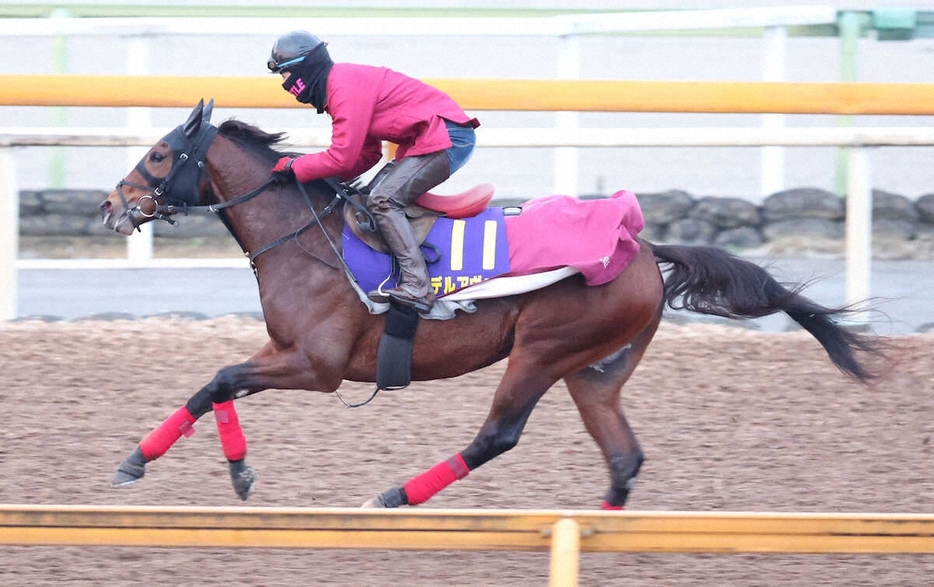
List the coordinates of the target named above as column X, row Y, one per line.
column 166, row 180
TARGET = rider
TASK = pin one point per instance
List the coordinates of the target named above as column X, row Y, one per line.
column 368, row 105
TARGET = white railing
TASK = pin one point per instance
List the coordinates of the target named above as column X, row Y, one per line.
column 520, row 26
column 566, row 28
column 858, row 201
column 895, row 136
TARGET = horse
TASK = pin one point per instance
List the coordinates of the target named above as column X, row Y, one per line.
column 320, row 334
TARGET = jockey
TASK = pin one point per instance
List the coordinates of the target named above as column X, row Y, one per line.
column 368, row 105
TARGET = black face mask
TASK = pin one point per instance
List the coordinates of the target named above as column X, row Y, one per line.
column 309, row 79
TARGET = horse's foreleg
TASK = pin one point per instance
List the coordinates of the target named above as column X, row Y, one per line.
column 268, row 368
column 230, row 383
column 161, row 439
column 233, row 442
column 217, row 396
column 515, row 398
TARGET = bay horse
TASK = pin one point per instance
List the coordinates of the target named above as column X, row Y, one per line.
column 320, row 333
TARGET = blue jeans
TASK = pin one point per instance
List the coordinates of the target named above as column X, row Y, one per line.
column 463, row 141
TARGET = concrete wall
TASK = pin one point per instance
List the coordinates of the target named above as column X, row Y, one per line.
column 791, row 220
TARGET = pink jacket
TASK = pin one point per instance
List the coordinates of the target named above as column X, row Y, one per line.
column 368, row 105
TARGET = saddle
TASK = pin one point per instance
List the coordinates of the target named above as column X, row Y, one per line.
column 422, row 213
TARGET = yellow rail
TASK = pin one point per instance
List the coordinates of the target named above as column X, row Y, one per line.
column 564, row 533
column 490, row 94
column 466, row 529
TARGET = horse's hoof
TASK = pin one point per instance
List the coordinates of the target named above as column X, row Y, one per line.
column 130, row 470
column 392, row 498
column 243, row 477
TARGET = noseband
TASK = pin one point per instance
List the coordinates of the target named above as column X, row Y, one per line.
column 178, row 190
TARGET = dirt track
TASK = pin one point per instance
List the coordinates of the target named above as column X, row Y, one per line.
column 730, row 419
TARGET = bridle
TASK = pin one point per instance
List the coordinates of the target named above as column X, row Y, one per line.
column 179, row 191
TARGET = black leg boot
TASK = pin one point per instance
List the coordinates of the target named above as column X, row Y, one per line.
column 410, row 178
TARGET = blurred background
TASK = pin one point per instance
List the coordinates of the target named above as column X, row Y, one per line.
column 760, row 201
column 809, row 53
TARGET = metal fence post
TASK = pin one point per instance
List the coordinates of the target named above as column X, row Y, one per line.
column 858, row 230
column 850, row 26
column 565, row 181
column 58, row 115
column 9, row 234
column 772, row 159
column 139, row 244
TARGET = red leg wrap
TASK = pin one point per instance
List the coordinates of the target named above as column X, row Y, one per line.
column 607, row 506
column 228, row 428
column 162, row 438
column 421, row 488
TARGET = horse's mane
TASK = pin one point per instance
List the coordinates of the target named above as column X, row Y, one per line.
column 258, row 141
column 251, row 136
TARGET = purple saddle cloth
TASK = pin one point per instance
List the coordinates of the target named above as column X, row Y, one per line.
column 460, row 253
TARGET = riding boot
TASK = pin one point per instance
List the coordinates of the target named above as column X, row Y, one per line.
column 379, row 177
column 410, row 178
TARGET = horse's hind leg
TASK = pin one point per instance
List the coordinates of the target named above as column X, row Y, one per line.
column 596, row 392
column 522, row 386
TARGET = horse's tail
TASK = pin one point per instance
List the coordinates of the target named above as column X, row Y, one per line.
column 710, row 280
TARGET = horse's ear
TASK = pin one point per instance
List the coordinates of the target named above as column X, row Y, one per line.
column 208, row 110
column 193, row 124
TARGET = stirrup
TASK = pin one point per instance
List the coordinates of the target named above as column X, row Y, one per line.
column 417, row 305
column 421, row 306
column 383, row 296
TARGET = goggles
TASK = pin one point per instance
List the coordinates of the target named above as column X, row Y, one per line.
column 275, row 67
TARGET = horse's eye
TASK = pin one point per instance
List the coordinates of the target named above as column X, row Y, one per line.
column 156, row 157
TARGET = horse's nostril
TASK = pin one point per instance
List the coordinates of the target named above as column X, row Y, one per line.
column 106, row 208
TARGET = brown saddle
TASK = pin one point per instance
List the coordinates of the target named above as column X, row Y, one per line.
column 421, row 214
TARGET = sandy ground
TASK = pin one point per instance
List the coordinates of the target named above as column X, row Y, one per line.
column 729, row 418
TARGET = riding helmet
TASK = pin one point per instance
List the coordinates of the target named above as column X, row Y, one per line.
column 291, row 49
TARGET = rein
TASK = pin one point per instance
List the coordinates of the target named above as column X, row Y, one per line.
column 315, row 220
column 172, row 209
column 339, row 194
